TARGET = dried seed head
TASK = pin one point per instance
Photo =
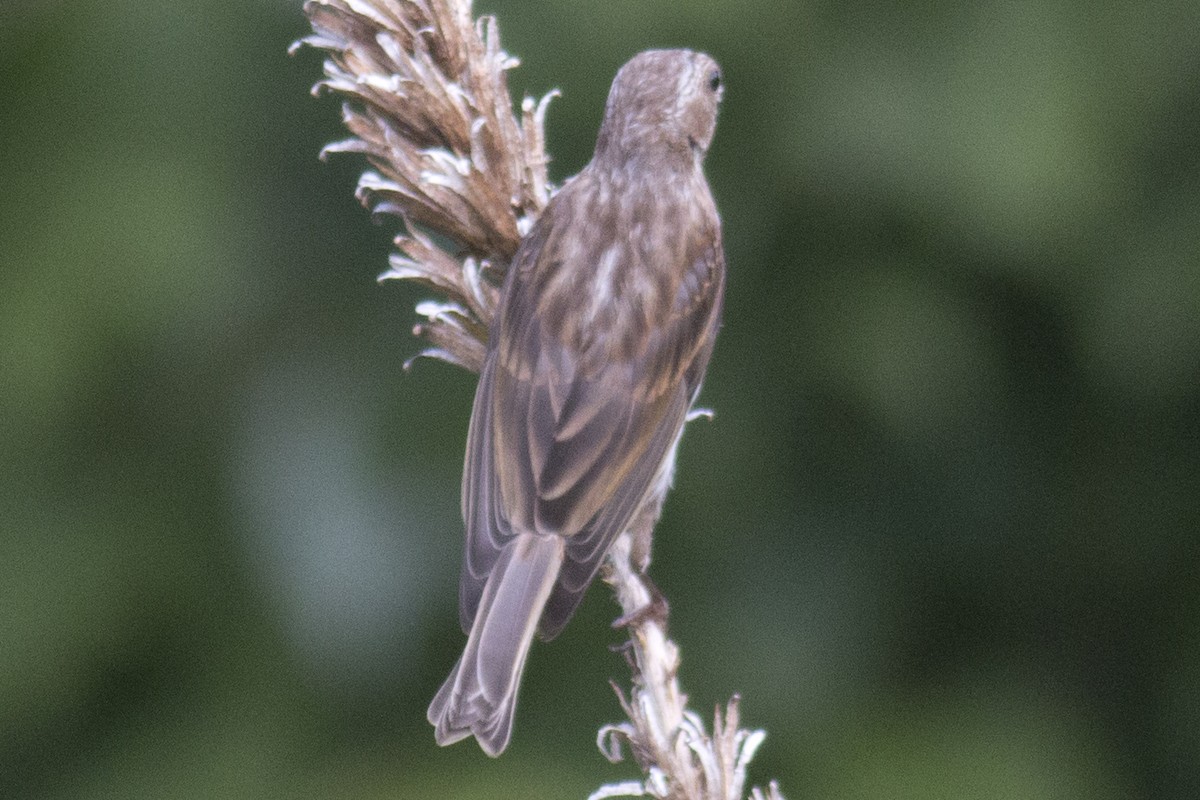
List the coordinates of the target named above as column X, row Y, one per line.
column 427, row 103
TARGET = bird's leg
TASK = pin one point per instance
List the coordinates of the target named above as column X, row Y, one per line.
column 656, row 609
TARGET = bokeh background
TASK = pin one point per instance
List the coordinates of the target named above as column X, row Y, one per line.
column 942, row 535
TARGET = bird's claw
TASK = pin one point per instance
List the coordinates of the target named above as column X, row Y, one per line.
column 654, row 611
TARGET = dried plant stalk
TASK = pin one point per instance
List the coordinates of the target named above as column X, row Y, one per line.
column 427, row 103
column 679, row 759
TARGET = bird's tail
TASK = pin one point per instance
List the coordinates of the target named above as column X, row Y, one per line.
column 480, row 695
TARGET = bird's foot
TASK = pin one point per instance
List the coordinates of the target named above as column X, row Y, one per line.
column 656, row 610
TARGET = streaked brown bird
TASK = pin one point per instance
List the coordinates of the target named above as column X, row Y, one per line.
column 605, row 327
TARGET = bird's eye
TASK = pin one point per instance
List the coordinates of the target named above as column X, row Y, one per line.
column 714, row 80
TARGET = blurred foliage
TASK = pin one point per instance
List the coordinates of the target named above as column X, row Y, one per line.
column 942, row 534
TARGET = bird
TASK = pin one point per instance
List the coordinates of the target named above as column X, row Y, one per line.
column 604, row 329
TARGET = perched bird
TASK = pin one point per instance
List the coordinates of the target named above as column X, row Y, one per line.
column 605, row 326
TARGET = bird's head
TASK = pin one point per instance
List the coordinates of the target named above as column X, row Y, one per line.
column 662, row 103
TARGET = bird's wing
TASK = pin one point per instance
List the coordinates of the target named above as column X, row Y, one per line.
column 566, row 443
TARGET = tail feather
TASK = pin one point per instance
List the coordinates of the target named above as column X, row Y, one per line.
column 480, row 696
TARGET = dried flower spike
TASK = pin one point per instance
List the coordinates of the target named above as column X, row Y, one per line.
column 427, row 103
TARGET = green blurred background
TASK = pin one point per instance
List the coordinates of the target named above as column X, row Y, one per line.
column 942, row 535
